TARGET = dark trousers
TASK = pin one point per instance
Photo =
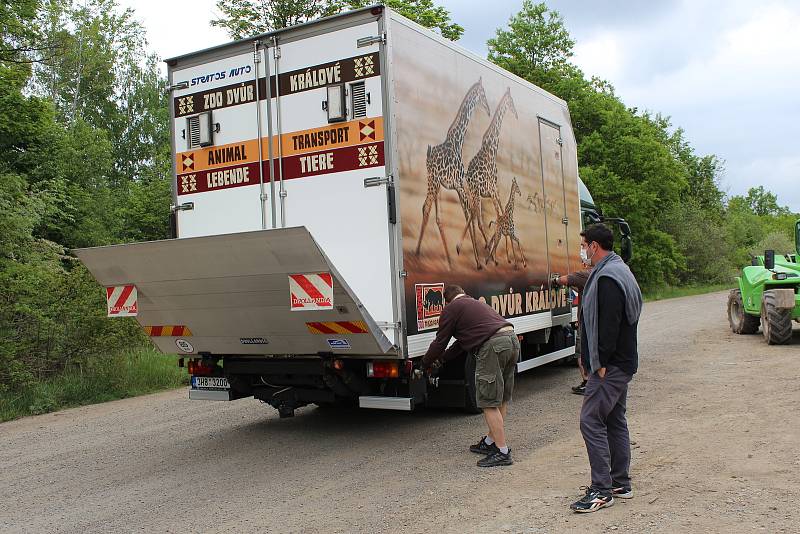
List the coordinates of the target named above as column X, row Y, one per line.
column 605, row 430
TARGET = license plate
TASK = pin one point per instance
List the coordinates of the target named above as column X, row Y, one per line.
column 210, row 382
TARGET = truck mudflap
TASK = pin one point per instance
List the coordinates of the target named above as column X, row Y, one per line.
column 268, row 292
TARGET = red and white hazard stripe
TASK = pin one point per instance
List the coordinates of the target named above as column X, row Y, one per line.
column 122, row 301
column 311, row 291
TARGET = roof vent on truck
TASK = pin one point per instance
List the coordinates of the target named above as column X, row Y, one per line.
column 358, row 96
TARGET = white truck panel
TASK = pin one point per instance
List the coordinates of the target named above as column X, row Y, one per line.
column 221, row 212
column 325, row 47
column 335, row 208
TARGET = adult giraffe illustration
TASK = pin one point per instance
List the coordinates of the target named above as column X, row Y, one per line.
column 505, row 228
column 482, row 171
column 444, row 164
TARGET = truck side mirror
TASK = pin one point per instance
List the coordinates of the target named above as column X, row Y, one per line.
column 626, row 248
column 624, row 228
column 769, row 259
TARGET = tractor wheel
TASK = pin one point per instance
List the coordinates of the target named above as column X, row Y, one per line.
column 740, row 321
column 776, row 323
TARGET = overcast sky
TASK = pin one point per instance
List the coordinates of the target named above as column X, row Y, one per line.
column 726, row 71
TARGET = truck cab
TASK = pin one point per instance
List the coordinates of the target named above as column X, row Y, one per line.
column 591, row 214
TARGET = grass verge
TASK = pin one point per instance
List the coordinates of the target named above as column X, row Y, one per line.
column 670, row 292
column 116, row 377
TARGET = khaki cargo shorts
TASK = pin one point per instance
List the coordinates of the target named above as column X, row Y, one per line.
column 495, row 363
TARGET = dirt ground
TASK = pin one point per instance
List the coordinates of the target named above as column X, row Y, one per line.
column 714, row 416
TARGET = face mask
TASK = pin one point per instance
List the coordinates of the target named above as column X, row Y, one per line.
column 584, row 256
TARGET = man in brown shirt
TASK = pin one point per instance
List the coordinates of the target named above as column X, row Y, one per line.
column 490, row 339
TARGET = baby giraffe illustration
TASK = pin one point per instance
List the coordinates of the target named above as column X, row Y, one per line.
column 505, row 228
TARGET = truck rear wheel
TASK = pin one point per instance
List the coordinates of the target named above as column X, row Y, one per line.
column 470, row 400
column 776, row 323
column 741, row 322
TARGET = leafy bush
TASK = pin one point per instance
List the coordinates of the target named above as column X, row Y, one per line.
column 780, row 242
column 52, row 316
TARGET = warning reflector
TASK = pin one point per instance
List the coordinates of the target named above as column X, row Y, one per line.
column 311, row 292
column 121, row 301
column 167, row 330
column 338, row 327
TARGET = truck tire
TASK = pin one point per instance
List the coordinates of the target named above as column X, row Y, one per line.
column 470, row 400
column 740, row 321
column 776, row 323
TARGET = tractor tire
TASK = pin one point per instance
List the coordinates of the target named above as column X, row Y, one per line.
column 740, row 321
column 776, row 323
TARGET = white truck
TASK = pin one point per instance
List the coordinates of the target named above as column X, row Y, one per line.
column 330, row 179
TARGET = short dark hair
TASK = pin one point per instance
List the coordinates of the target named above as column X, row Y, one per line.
column 451, row 292
column 600, row 234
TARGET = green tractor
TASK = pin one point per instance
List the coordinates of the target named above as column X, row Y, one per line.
column 768, row 295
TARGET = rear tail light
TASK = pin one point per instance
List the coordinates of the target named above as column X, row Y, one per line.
column 200, row 368
column 383, row 369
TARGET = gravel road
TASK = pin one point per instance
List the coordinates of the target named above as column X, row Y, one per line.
column 714, row 418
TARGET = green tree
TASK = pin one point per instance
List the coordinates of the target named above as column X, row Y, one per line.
column 779, row 241
column 110, row 97
column 48, row 308
column 703, row 175
column 423, row 12
column 763, row 202
column 19, row 36
column 246, row 18
column 535, row 44
column 701, row 238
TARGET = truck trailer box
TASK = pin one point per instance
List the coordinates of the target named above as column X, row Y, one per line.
column 329, row 180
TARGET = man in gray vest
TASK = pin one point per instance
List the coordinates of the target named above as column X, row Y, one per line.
column 486, row 336
column 610, row 310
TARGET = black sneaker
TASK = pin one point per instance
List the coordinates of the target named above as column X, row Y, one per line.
column 495, row 459
column 581, row 389
column 622, row 492
column 593, row 501
column 482, row 448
